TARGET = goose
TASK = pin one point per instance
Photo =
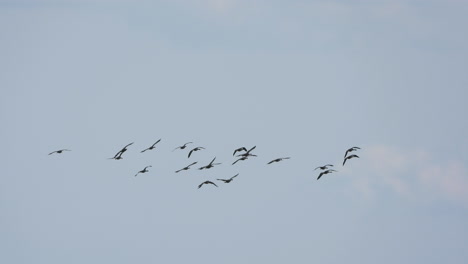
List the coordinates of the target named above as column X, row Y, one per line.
column 59, row 151
column 207, row 182
column 278, row 160
column 228, row 180
column 239, row 159
column 143, row 170
column 325, row 172
column 324, row 167
column 195, row 149
column 246, row 154
column 239, row 149
column 119, row 154
column 186, row 168
column 349, row 157
column 183, row 146
column 152, row 146
column 351, row 150
column 209, row 166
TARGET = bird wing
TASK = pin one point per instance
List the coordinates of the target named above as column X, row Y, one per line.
column 190, row 153
column 210, row 182
column 271, row 161
column 201, row 184
column 144, row 150
column 320, row 175
column 234, row 176
column 344, row 161
column 52, row 152
column 251, row 149
column 156, row 142
column 212, row 161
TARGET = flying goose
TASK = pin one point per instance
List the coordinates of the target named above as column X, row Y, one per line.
column 195, row 149
column 119, row 154
column 186, row 168
column 228, row 180
column 239, row 149
column 143, row 170
column 211, row 165
column 349, row 157
column 325, row 172
column 324, row 167
column 59, row 151
column 278, row 160
column 183, row 146
column 207, row 182
column 152, row 146
column 246, row 154
column 351, row 150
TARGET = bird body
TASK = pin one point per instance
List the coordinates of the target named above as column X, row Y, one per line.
column 324, row 167
column 143, row 170
column 206, row 182
column 195, row 149
column 228, row 180
column 152, row 146
column 187, row 167
column 183, row 146
column 59, row 151
column 349, row 157
column 278, row 160
column 324, row 172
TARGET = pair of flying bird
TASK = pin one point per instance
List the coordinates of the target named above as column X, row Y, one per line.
column 223, row 180
column 209, row 166
column 346, row 157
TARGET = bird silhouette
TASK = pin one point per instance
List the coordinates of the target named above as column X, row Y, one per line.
column 206, row 182
column 152, row 146
column 278, row 160
column 325, row 172
column 324, row 167
column 194, row 149
column 209, row 166
column 59, row 151
column 119, row 154
column 247, row 154
column 183, row 146
column 239, row 159
column 186, row 168
column 349, row 157
column 239, row 149
column 228, row 180
column 143, row 170
column 351, row 150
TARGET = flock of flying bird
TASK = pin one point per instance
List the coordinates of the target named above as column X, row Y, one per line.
column 242, row 154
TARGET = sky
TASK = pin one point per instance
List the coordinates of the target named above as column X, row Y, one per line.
column 300, row 79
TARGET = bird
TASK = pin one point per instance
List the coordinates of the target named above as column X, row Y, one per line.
column 241, row 158
column 211, row 165
column 152, row 146
column 351, row 150
column 246, row 154
column 324, row 167
column 143, row 170
column 325, row 172
column 349, row 157
column 59, row 151
column 228, row 180
column 239, row 149
column 207, row 182
column 187, row 167
column 119, row 154
column 183, row 146
column 194, row 149
column 278, row 160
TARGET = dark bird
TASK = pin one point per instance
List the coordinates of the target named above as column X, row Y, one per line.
column 143, row 170
column 211, row 165
column 207, row 182
column 239, row 159
column 324, row 167
column 59, row 151
column 228, row 180
column 325, row 172
column 351, row 150
column 195, row 149
column 119, row 154
column 186, row 168
column 349, row 157
column 152, row 146
column 278, row 160
column 183, row 146
column 247, row 154
column 239, row 149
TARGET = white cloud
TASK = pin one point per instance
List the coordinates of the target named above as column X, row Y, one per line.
column 411, row 173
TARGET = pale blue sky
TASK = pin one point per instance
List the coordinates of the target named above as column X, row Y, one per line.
column 305, row 79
